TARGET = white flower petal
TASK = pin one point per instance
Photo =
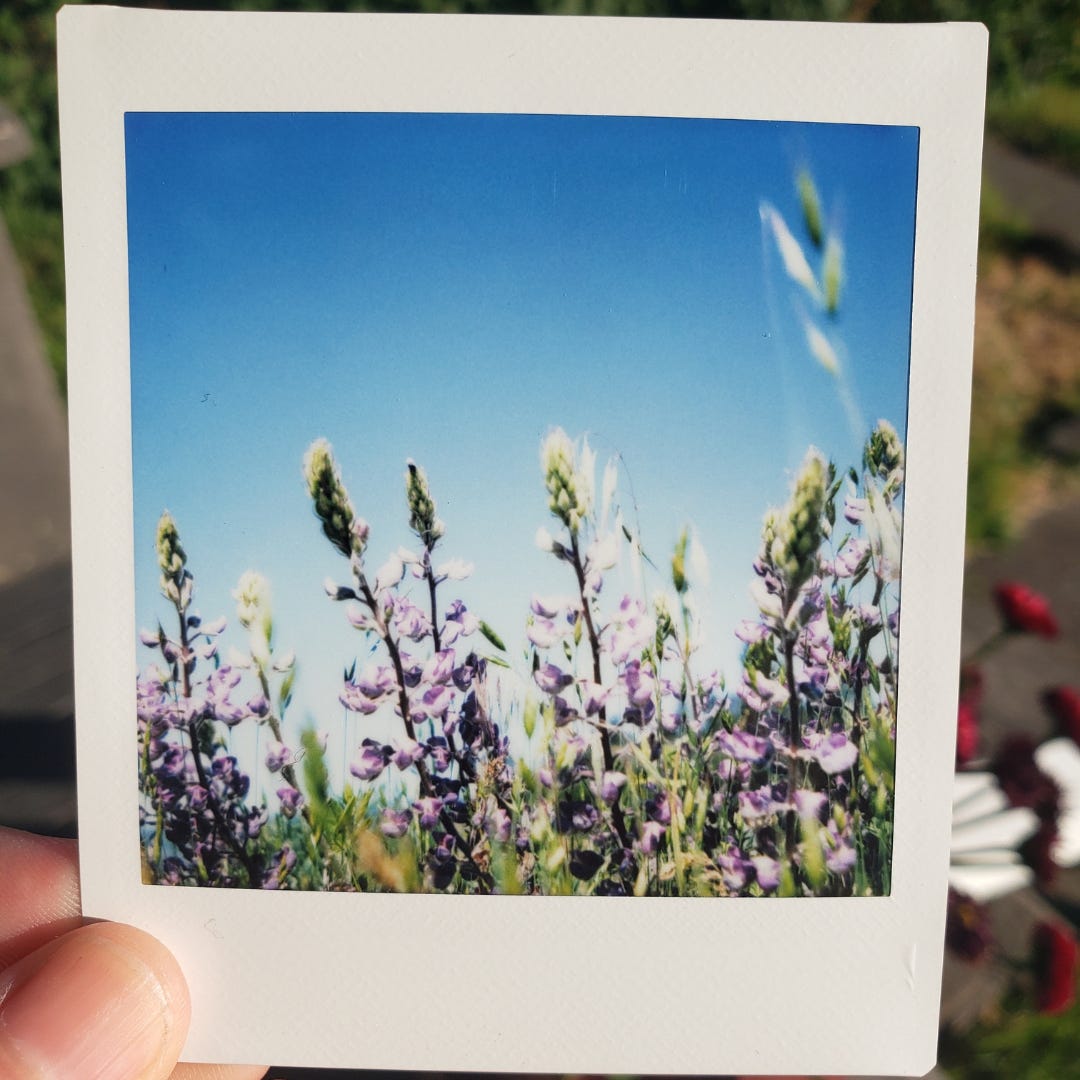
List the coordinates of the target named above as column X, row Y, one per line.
column 821, row 348
column 1007, row 829
column 1060, row 760
column 986, row 883
column 983, row 798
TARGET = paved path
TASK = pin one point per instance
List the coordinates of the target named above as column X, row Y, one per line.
column 36, row 703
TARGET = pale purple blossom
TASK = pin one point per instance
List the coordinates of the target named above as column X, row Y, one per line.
column 369, row 763
column 611, row 783
column 742, row 746
column 551, row 679
column 767, row 872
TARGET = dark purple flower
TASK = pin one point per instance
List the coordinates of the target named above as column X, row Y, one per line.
column 652, row 833
column 429, row 809
column 279, row 867
column 291, row 801
column 757, row 804
column 407, row 753
column 610, row 785
column 639, row 683
column 733, row 868
column 767, row 872
column 395, row 823
column 742, row 746
column 551, row 679
column 277, row 755
column 369, row 763
column 440, row 668
column 659, row 808
column 576, row 816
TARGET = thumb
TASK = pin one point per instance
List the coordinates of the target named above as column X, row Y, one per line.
column 103, row 1001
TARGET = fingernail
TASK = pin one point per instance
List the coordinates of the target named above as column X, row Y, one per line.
column 102, row 1001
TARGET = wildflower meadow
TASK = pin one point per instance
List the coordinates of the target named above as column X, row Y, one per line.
column 576, row 643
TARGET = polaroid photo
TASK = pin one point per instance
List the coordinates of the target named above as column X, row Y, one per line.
column 518, row 489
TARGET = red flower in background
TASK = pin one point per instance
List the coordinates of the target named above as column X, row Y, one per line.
column 967, row 732
column 1023, row 782
column 1025, row 610
column 1055, row 955
column 1063, row 704
column 967, row 717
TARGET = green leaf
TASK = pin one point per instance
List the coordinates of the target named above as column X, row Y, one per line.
column 492, row 636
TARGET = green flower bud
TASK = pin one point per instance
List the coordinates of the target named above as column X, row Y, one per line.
column 331, row 500
column 800, row 529
column 833, row 273
column 565, row 500
column 811, row 205
column 170, row 553
column 422, row 519
column 883, row 455
column 678, row 564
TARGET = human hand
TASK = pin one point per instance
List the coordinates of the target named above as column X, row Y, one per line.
column 93, row 1001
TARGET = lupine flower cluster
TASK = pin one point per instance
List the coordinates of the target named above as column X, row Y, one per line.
column 637, row 769
column 1015, row 816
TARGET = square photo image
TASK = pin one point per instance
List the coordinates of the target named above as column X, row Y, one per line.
column 518, row 501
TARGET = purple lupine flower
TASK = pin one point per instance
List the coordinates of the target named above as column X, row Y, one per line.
column 733, row 869
column 742, row 746
column 407, row 753
column 652, row 833
column 429, row 809
column 658, row 808
column 545, row 776
column 434, row 702
column 574, row 815
column 552, row 607
column 760, row 692
column 869, row 617
column 752, row 631
column 840, row 855
column 852, row 555
column 375, row 681
column 277, row 755
column 356, row 701
column 593, row 696
column 291, row 801
column 611, row 783
column 197, row 796
column 551, row 679
column 357, row 616
column 632, row 629
column 440, row 668
column 757, row 804
column 150, row 638
column 258, row 705
column 395, row 823
column 543, row 633
column 811, row 804
column 409, row 621
column 767, row 872
column 369, row 763
column 279, row 867
column 640, row 684
column 729, row 770
column 172, row 763
column 854, row 509
column 564, row 712
column 257, row 817
column 462, row 619
column 834, row 752
column 498, row 825
column 440, row 753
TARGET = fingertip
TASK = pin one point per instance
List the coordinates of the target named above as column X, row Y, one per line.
column 103, row 1000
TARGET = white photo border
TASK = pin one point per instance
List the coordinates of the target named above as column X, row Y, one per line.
column 538, row 984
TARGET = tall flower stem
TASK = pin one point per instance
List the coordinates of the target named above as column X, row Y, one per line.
column 426, row 784
column 594, row 644
column 240, row 850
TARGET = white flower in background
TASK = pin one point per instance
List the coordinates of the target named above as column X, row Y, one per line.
column 1060, row 760
column 986, row 833
column 798, row 269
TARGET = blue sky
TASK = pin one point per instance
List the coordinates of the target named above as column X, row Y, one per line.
column 448, row 288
